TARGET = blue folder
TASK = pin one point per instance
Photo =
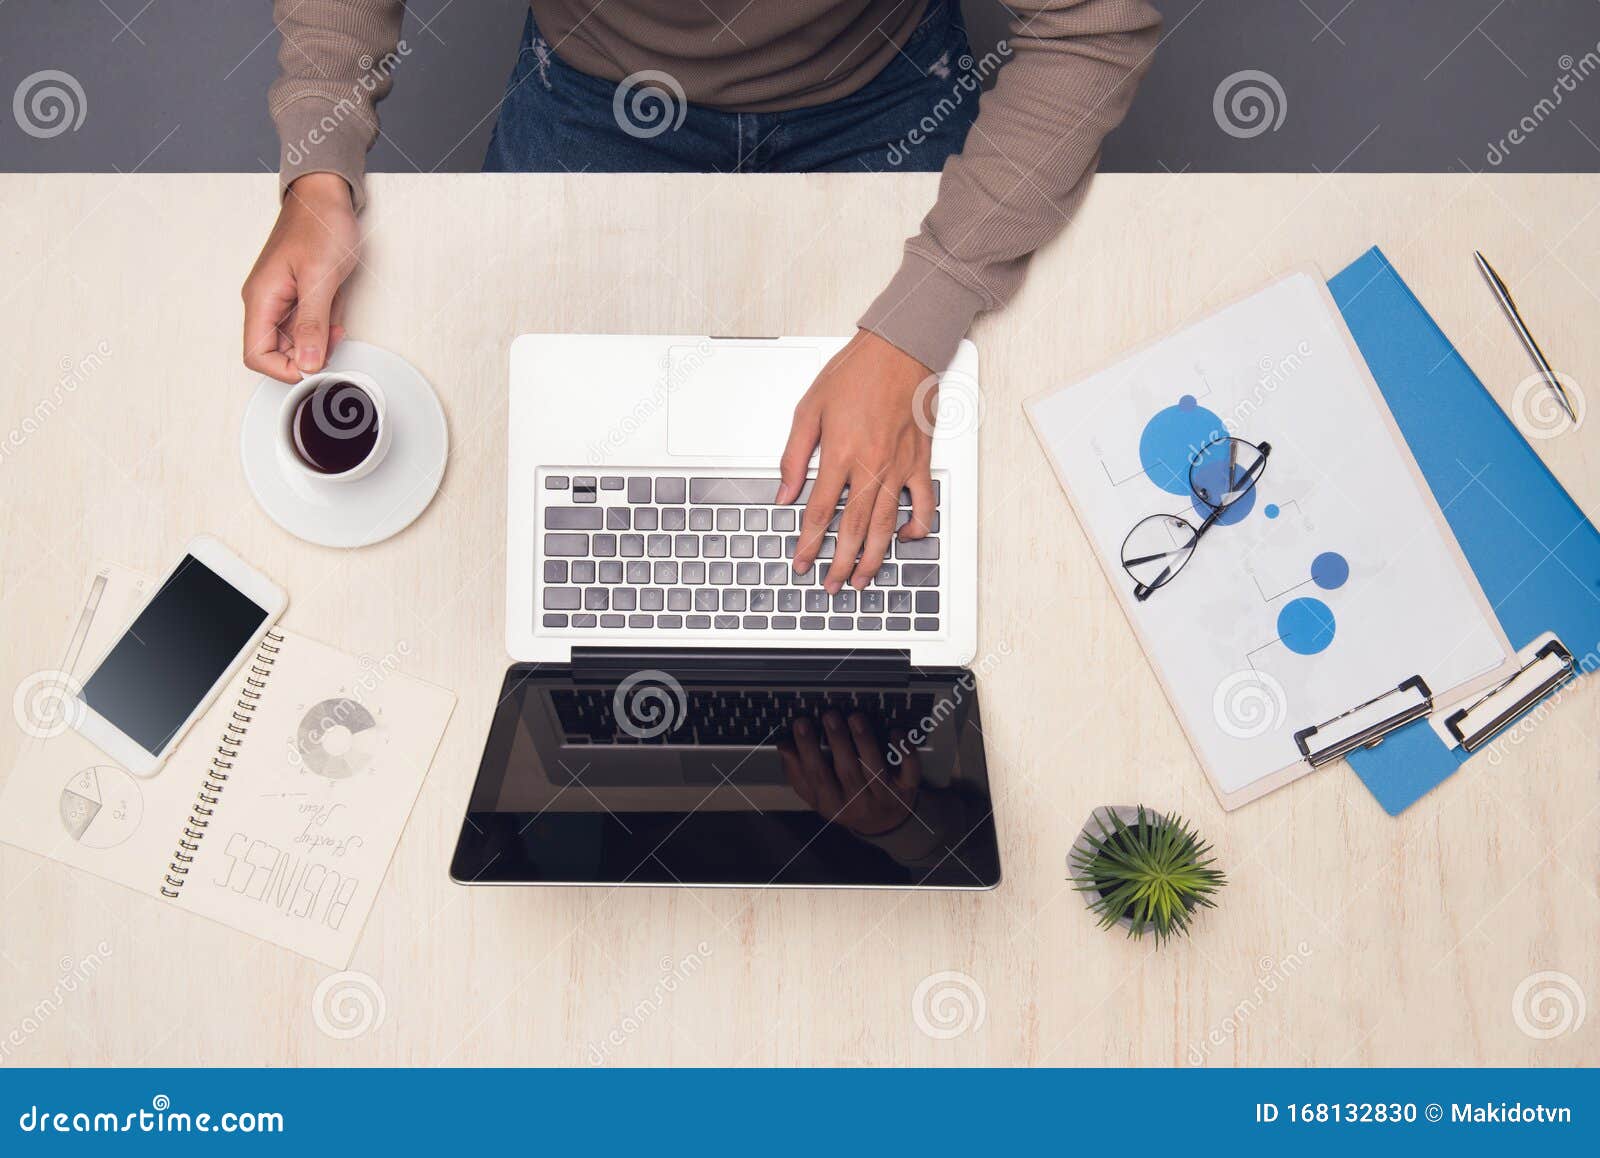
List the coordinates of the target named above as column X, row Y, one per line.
column 1536, row 556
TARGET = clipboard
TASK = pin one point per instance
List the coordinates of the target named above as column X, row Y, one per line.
column 1368, row 707
column 1532, row 550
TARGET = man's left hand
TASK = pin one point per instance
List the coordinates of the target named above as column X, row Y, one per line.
column 864, row 409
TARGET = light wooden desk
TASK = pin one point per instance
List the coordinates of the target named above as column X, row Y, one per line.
column 1345, row 936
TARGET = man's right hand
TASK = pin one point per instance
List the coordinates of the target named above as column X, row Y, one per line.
column 293, row 303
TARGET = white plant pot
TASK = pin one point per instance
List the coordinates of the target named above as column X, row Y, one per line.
column 1098, row 819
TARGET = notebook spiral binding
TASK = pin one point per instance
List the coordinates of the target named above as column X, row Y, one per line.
column 216, row 778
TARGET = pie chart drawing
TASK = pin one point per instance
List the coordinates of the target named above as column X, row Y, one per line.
column 336, row 738
column 101, row 806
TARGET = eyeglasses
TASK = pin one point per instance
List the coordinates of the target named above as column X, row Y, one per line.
column 1220, row 474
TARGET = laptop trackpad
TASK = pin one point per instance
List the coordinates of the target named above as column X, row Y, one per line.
column 730, row 400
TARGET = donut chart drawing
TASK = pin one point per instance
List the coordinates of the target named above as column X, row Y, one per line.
column 336, row 738
column 101, row 806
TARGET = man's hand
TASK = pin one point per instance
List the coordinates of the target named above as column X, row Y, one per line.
column 863, row 408
column 292, row 300
column 852, row 784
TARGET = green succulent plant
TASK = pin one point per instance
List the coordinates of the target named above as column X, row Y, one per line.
column 1156, row 872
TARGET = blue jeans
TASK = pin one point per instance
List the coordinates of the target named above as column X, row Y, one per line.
column 911, row 116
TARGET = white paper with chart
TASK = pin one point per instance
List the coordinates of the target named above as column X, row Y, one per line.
column 278, row 813
column 1330, row 581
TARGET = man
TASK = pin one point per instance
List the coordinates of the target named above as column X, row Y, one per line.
column 770, row 85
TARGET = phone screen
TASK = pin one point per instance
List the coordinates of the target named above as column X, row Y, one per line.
column 181, row 643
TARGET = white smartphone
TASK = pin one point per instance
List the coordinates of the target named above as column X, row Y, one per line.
column 207, row 614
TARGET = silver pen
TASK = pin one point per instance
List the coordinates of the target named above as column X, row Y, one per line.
column 1510, row 308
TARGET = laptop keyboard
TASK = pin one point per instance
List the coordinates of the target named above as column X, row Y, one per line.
column 686, row 552
column 738, row 717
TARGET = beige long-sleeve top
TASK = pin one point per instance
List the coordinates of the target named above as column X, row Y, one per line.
column 1069, row 71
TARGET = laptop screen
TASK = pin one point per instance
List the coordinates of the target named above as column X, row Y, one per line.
column 658, row 778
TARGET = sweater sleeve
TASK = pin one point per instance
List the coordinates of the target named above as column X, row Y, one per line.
column 335, row 64
column 1072, row 69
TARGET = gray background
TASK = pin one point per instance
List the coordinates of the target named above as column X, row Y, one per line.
column 1373, row 85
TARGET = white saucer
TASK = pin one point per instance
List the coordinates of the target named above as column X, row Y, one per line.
column 368, row 510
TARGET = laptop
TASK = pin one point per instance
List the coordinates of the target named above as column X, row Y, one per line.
column 685, row 709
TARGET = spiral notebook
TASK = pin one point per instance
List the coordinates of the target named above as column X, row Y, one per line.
column 279, row 812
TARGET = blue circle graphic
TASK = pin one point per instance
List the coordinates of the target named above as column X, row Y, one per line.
column 1329, row 570
column 1306, row 626
column 1270, row 510
column 1171, row 438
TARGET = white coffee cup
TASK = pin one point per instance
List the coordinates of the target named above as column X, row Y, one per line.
column 341, row 414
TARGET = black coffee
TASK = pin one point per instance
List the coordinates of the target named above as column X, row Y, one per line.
column 335, row 427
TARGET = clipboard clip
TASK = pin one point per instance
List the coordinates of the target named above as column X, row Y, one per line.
column 1366, row 724
column 1549, row 668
